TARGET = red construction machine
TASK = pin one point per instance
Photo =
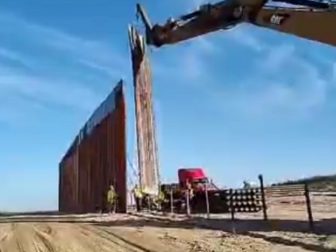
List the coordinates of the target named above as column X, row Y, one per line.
column 195, row 182
column 196, row 177
column 193, row 179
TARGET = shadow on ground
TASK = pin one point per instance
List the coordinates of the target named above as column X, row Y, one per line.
column 322, row 227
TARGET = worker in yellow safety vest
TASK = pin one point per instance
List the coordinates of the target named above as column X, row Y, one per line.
column 149, row 198
column 111, row 199
column 138, row 197
column 160, row 199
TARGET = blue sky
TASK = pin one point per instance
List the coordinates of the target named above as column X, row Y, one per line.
column 238, row 103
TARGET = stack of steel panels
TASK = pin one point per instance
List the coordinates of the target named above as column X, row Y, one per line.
column 96, row 159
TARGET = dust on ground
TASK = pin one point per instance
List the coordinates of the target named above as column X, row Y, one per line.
column 287, row 230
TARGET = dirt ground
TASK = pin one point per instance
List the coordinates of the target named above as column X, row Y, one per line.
column 287, row 230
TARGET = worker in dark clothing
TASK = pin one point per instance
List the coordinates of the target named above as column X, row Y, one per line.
column 189, row 190
column 138, row 198
column 188, row 196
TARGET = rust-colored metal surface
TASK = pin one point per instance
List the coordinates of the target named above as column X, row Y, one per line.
column 96, row 159
column 145, row 121
column 69, row 182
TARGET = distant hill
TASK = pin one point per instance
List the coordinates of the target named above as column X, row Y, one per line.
column 50, row 213
column 316, row 183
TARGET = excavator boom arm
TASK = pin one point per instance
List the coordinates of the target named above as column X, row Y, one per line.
column 316, row 22
column 209, row 19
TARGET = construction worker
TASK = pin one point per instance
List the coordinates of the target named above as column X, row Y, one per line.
column 246, row 184
column 160, row 199
column 189, row 189
column 188, row 196
column 138, row 197
column 147, row 198
column 111, row 199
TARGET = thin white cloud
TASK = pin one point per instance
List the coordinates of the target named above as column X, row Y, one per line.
column 13, row 56
column 16, row 111
column 79, row 49
column 187, row 64
column 205, row 45
column 282, row 82
column 9, row 54
column 67, row 70
column 334, row 73
column 48, row 91
column 103, row 68
column 277, row 57
column 242, row 35
column 279, row 79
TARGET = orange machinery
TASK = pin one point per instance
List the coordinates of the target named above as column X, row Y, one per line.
column 308, row 19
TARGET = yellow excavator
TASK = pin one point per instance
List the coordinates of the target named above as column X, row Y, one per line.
column 309, row 19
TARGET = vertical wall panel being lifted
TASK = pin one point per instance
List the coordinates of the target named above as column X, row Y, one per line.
column 145, row 124
column 96, row 159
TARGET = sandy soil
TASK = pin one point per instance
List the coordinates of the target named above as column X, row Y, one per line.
column 156, row 232
column 117, row 233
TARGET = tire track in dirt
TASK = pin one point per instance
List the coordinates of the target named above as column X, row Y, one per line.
column 128, row 242
column 44, row 241
column 54, row 237
column 19, row 246
column 123, row 244
column 19, row 238
column 24, row 237
column 4, row 234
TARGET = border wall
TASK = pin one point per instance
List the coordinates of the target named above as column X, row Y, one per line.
column 96, row 159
